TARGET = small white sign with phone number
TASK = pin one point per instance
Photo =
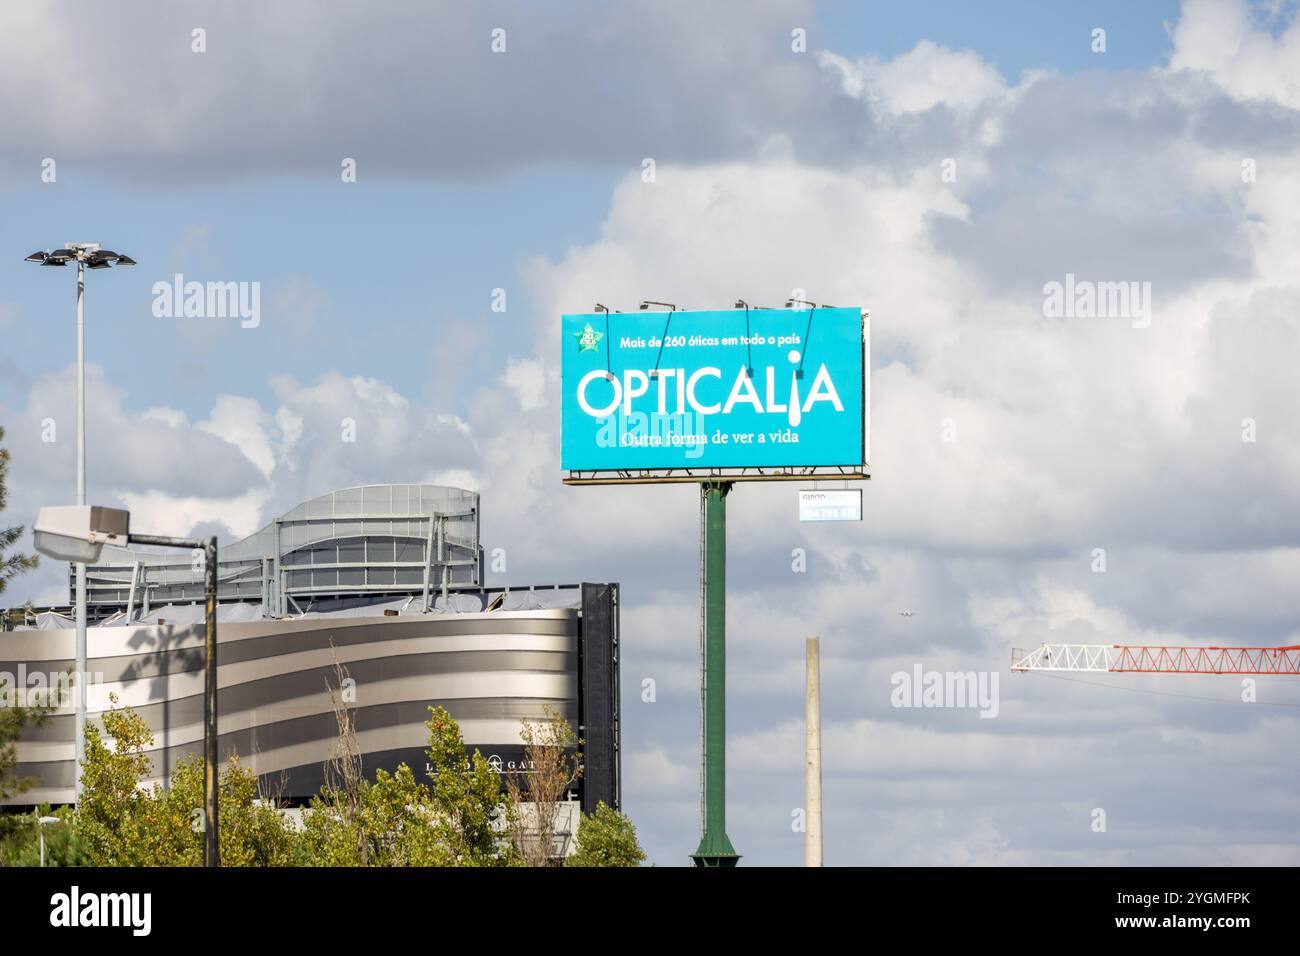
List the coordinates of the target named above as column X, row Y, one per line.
column 818, row 505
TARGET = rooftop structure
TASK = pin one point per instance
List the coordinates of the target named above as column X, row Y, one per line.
column 347, row 547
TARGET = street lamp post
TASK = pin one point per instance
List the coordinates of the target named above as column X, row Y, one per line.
column 83, row 254
column 79, row 534
column 41, row 823
column 211, row 847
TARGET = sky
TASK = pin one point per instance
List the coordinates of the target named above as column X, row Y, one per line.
column 1037, row 476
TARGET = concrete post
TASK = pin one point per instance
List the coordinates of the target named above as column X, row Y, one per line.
column 812, row 843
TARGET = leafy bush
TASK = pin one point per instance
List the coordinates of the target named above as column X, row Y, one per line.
column 606, row 838
column 460, row 817
column 122, row 824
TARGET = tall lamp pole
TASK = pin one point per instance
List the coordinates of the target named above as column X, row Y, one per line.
column 83, row 254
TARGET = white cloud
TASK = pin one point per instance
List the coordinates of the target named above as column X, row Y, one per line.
column 242, row 423
column 924, row 77
column 154, row 512
column 527, row 379
column 171, row 417
column 1219, row 37
column 199, row 112
column 655, row 773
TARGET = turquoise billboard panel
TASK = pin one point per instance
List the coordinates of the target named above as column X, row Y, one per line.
column 725, row 389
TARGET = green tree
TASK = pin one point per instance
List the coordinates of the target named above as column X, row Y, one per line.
column 112, row 812
column 328, row 837
column 251, row 832
column 121, row 824
column 394, row 825
column 471, row 817
column 606, row 838
column 398, row 820
column 14, row 564
column 15, row 714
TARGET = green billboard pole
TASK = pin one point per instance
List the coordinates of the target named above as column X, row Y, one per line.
column 715, row 848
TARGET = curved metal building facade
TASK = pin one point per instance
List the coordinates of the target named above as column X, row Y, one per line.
column 490, row 670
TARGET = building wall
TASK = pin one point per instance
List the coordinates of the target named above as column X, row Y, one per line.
column 490, row 670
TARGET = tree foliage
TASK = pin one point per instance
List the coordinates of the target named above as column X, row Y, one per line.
column 14, row 714
column 11, row 565
column 458, row 817
column 394, row 826
column 121, row 823
column 470, row 814
column 606, row 838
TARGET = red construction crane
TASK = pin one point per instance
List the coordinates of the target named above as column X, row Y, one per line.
column 1158, row 659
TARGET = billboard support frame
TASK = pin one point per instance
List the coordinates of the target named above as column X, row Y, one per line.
column 659, row 476
column 715, row 849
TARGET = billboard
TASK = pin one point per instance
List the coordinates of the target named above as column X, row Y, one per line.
column 736, row 394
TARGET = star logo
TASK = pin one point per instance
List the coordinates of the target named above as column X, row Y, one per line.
column 588, row 338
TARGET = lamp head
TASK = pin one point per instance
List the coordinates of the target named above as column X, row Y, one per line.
column 78, row 533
